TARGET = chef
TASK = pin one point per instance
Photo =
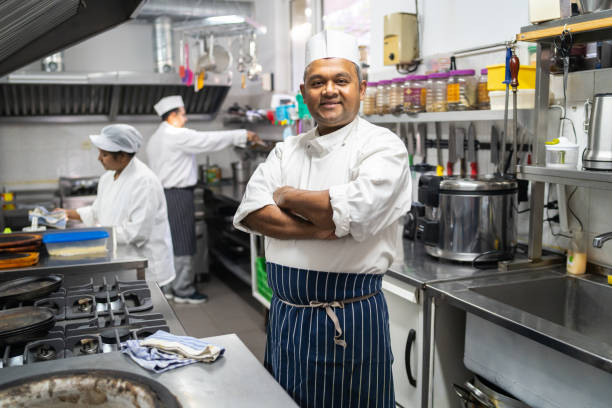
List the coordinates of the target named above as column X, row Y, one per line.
column 330, row 203
column 130, row 199
column 172, row 154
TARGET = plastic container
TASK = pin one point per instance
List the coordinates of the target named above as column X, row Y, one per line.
column 461, row 90
column 382, row 97
column 525, row 99
column 369, row 100
column 577, row 254
column 415, row 93
column 436, row 92
column 561, row 154
column 76, row 243
column 484, row 101
column 497, row 75
column 396, row 95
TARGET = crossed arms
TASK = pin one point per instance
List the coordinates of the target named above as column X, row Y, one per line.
column 298, row 214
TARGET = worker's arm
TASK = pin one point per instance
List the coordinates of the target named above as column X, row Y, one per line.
column 72, row 214
column 312, row 205
column 273, row 222
column 195, row 142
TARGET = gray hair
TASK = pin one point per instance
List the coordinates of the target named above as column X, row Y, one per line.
column 357, row 69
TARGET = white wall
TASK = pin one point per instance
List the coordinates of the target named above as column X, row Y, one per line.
column 35, row 155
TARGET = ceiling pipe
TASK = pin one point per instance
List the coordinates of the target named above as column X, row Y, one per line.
column 180, row 10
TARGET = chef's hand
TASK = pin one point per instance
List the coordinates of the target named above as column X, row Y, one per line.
column 70, row 214
column 326, row 235
column 253, row 138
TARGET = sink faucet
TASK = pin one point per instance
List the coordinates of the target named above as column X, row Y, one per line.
column 599, row 240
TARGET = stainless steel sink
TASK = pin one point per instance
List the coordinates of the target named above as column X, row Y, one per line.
column 578, row 304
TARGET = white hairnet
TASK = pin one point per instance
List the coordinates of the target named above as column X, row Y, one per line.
column 118, row 138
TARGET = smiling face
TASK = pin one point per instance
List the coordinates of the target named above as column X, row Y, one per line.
column 332, row 92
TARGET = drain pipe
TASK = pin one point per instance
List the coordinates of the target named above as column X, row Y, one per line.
column 162, row 44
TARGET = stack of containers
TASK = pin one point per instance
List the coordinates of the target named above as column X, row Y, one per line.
column 382, row 97
column 484, row 102
column 369, row 100
column 461, row 90
column 436, row 92
column 396, row 95
column 415, row 93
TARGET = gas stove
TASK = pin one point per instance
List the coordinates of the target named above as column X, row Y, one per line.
column 90, row 318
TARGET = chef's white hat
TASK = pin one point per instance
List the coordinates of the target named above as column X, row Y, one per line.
column 118, row 138
column 168, row 103
column 332, row 44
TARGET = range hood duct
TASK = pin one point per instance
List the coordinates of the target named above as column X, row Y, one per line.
column 180, row 10
column 162, row 45
column 33, row 29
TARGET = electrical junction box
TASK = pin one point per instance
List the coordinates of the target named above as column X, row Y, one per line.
column 401, row 44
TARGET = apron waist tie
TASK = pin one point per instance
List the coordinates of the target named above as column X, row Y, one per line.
column 329, row 309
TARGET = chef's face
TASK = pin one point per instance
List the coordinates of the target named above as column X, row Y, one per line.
column 110, row 161
column 332, row 91
column 178, row 118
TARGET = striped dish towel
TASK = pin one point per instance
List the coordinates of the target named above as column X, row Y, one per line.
column 163, row 351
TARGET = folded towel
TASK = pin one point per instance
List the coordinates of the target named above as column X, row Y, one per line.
column 184, row 346
column 56, row 218
column 163, row 351
column 152, row 359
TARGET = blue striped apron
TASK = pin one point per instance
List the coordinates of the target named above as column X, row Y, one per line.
column 181, row 217
column 304, row 350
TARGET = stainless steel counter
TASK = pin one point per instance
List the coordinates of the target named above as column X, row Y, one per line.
column 236, row 379
column 563, row 321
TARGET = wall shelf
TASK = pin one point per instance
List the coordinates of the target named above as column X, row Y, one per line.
column 581, row 178
column 240, row 269
column 584, row 28
column 455, row 116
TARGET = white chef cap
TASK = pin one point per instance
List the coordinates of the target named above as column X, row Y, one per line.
column 118, row 138
column 168, row 103
column 332, row 44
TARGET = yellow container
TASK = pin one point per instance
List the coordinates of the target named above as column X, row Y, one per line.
column 497, row 74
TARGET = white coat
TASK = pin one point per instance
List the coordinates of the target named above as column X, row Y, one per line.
column 135, row 206
column 366, row 170
column 171, row 152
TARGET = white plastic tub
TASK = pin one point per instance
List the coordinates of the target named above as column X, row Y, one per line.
column 525, row 99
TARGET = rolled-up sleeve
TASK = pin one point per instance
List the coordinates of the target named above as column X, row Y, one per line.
column 380, row 193
column 260, row 188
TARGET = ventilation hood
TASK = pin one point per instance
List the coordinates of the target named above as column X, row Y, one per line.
column 33, row 29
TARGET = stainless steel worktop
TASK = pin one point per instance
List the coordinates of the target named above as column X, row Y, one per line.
column 237, row 379
column 528, row 303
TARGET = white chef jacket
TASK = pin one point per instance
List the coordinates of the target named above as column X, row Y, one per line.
column 135, row 206
column 366, row 169
column 172, row 151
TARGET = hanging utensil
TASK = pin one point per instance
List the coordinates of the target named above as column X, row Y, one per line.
column 495, row 149
column 461, row 151
column 182, row 59
column 507, row 80
column 422, row 141
column 471, row 150
column 452, row 150
column 410, row 144
column 254, row 68
column 188, row 80
column 440, row 167
column 514, row 70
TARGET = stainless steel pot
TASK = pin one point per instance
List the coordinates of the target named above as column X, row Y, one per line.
column 241, row 171
column 468, row 219
column 499, row 398
column 598, row 154
column 590, row 6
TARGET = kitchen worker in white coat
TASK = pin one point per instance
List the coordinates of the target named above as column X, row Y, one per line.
column 131, row 199
column 330, row 203
column 172, row 154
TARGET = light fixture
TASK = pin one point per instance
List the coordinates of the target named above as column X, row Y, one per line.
column 308, row 12
column 229, row 19
column 301, row 32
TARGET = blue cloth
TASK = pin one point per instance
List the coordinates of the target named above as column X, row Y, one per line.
column 163, row 351
column 153, row 359
column 300, row 350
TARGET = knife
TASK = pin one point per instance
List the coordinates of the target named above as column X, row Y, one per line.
column 452, row 150
column 440, row 167
column 495, row 148
column 422, row 131
column 408, row 135
column 460, row 144
column 471, row 150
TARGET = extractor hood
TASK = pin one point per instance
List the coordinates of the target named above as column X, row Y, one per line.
column 93, row 97
column 33, row 29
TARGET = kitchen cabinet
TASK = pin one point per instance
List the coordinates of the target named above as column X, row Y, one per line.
column 405, row 325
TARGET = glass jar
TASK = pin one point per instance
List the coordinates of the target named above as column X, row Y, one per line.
column 415, row 93
column 396, row 96
column 382, row 97
column 484, row 101
column 461, row 90
column 369, row 100
column 436, row 92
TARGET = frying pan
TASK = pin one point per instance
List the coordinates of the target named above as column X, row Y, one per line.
column 18, row 259
column 28, row 288
column 19, row 240
column 24, row 323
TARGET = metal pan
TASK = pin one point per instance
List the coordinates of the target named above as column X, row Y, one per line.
column 28, row 288
column 19, row 240
column 25, row 323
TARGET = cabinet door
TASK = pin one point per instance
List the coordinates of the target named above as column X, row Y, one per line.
column 405, row 324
